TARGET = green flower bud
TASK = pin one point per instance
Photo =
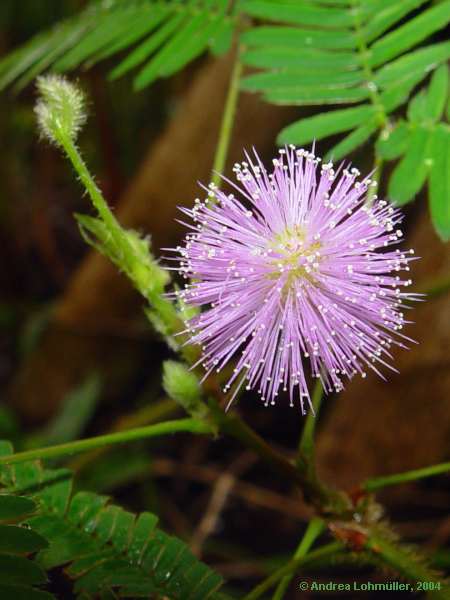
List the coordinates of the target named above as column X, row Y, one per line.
column 183, row 386
column 60, row 110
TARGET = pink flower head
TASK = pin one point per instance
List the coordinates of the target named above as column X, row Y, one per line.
column 295, row 270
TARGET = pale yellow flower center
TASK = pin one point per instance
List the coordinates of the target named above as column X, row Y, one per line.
column 298, row 256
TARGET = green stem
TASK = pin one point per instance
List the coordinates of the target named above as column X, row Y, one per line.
column 325, row 499
column 377, row 483
column 233, row 425
column 227, row 123
column 129, row 262
column 322, row 498
column 378, row 169
column 140, row 433
column 364, row 54
column 150, row 413
column 91, row 187
column 291, row 567
column 314, row 529
column 306, row 445
column 406, row 562
column 375, row 98
column 378, row 166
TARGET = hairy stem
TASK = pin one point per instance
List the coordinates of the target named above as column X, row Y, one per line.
column 140, row 433
column 322, row 498
column 314, row 529
column 371, row 485
column 405, row 562
column 291, row 567
column 89, row 184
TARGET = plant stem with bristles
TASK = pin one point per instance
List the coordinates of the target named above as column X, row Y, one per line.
column 120, row 437
column 227, row 123
column 292, row 566
column 314, row 529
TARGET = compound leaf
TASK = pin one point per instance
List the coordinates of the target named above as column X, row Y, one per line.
column 410, row 174
column 439, row 182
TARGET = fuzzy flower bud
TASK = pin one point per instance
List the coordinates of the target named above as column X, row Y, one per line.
column 183, row 387
column 60, row 110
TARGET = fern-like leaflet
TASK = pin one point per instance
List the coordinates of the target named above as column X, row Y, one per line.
column 341, row 58
column 20, row 575
column 363, row 53
column 162, row 36
column 422, row 142
column 109, row 552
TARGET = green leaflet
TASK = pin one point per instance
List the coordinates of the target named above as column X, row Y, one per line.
column 204, row 34
column 439, row 181
column 63, row 39
column 301, row 12
column 108, row 551
column 399, row 92
column 19, row 540
column 23, row 592
column 292, row 78
column 410, row 34
column 19, row 574
column 410, row 174
column 13, row 507
column 425, row 149
column 22, row 60
column 324, row 125
column 103, row 29
column 361, row 51
column 316, row 52
column 393, row 143
column 305, row 58
column 109, row 29
column 417, row 108
column 137, row 31
column 437, row 94
column 223, row 38
column 422, row 60
column 344, row 3
column 20, row 570
column 317, row 95
column 388, row 16
column 152, row 43
column 353, row 140
column 188, row 43
column 295, row 38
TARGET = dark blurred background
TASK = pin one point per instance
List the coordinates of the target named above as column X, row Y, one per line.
column 77, row 357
